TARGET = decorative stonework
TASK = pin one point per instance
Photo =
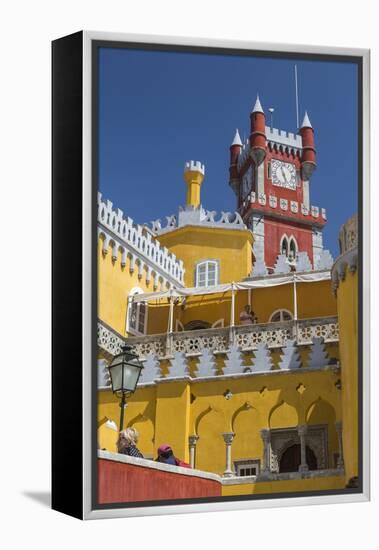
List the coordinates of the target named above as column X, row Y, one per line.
column 217, row 340
column 294, row 207
column 199, row 216
column 290, row 359
column 234, row 361
column 151, row 370
column 318, row 357
column 136, row 245
column 273, row 201
column 315, row 437
column 348, row 237
column 262, row 199
column 281, row 265
column 283, row 204
column 207, row 364
column 178, row 366
column 325, row 260
column 303, row 262
column 262, row 361
column 103, row 376
column 108, row 340
column 348, row 259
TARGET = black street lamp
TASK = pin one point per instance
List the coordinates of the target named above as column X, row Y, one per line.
column 125, row 370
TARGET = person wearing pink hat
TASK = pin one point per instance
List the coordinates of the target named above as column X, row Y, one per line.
column 166, row 455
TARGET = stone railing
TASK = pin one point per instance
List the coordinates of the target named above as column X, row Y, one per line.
column 245, row 337
column 140, row 245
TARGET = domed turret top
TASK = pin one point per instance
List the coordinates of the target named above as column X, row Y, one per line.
column 257, row 107
column 306, row 122
column 237, row 139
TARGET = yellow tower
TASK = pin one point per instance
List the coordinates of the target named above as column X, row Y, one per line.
column 345, row 282
column 194, row 173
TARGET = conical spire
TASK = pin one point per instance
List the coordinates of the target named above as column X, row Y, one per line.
column 237, row 139
column 257, row 106
column 306, row 121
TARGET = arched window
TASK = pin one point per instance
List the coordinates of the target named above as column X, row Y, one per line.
column 284, row 246
column 207, row 273
column 292, row 250
column 280, row 315
column 137, row 314
column 289, row 248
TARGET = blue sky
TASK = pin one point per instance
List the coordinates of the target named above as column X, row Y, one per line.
column 160, row 109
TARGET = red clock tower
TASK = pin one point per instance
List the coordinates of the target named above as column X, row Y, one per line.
column 270, row 175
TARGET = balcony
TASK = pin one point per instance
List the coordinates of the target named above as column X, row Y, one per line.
column 220, row 340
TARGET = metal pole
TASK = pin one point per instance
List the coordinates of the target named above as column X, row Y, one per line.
column 297, row 99
column 122, row 405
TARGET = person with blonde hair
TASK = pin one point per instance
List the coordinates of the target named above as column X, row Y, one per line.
column 127, row 443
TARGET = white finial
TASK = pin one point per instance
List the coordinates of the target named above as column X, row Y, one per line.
column 257, row 106
column 237, row 139
column 306, row 121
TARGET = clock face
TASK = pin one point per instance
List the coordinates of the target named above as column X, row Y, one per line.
column 283, row 174
column 247, row 182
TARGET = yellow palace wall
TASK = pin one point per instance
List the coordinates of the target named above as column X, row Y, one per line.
column 347, row 294
column 169, row 412
column 231, row 247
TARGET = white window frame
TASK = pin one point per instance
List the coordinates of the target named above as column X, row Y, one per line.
column 129, row 328
column 206, row 263
column 247, row 463
column 281, row 311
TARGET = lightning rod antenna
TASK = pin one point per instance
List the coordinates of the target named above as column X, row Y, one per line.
column 296, row 99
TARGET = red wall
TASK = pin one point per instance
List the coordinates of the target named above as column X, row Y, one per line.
column 274, row 230
column 120, row 482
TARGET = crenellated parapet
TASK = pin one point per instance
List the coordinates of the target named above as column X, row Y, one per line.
column 287, row 139
column 134, row 245
column 277, row 140
column 199, row 216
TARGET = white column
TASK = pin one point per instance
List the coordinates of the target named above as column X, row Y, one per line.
column 171, row 314
column 266, row 438
column 192, row 442
column 294, row 307
column 232, row 317
column 228, row 438
column 302, row 430
column 340, row 460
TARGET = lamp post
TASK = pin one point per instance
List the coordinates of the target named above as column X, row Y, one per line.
column 125, row 370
